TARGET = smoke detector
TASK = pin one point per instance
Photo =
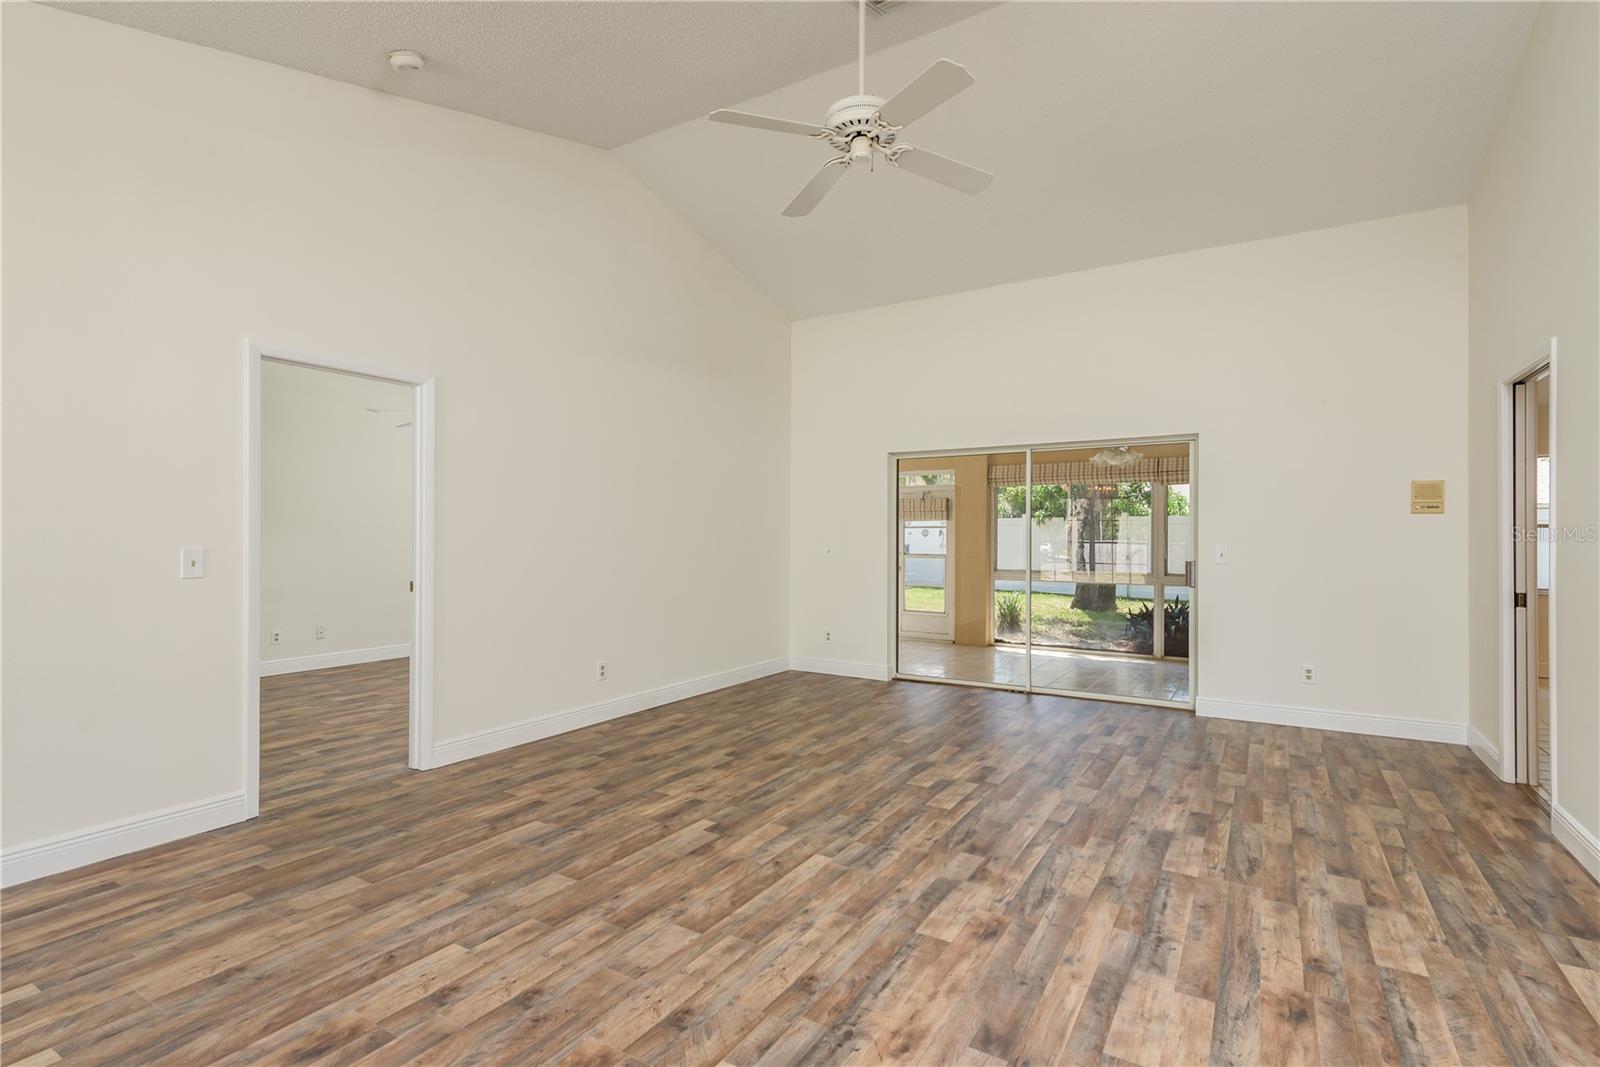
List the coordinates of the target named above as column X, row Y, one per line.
column 405, row 59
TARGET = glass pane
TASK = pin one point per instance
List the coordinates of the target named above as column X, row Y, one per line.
column 1091, row 559
column 1008, row 507
column 925, row 584
column 1108, row 535
column 928, row 478
column 972, row 570
column 1172, row 672
column 1175, row 622
column 924, row 538
column 1180, row 540
column 1176, row 611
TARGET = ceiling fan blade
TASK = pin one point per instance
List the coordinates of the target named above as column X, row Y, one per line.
column 817, row 188
column 927, row 91
column 943, row 169
column 766, row 122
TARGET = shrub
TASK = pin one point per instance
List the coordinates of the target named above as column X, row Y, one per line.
column 1142, row 620
column 1008, row 611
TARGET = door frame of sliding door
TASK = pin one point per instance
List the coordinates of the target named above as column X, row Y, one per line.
column 947, row 492
column 1193, row 661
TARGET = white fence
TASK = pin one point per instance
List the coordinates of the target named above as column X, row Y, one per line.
column 1128, row 554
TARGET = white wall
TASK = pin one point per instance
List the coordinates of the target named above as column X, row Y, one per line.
column 1535, row 233
column 1322, row 372
column 335, row 516
column 596, row 362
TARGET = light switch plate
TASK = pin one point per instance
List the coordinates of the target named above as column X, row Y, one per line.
column 192, row 563
column 1221, row 555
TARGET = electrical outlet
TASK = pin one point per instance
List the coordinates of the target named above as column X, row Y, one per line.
column 277, row 637
column 602, row 672
column 1308, row 674
column 322, row 633
column 827, row 636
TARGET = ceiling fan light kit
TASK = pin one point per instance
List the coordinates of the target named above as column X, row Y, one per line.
column 862, row 127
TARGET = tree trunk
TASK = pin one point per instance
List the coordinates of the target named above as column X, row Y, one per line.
column 1095, row 596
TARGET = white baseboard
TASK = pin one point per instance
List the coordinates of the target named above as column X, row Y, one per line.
column 57, row 854
column 296, row 664
column 487, row 741
column 1583, row 845
column 1348, row 722
column 876, row 672
column 1485, row 749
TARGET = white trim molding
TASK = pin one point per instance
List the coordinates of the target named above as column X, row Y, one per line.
column 1504, row 612
column 1487, row 751
column 502, row 737
column 1347, row 722
column 875, row 672
column 1583, row 845
column 63, row 853
column 296, row 664
column 420, row 692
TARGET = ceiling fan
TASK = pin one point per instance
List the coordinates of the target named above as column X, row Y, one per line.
column 859, row 128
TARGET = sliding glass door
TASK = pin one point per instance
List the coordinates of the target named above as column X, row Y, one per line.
column 1108, row 618
column 946, row 623
column 1090, row 589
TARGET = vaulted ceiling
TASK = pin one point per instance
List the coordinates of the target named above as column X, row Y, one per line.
column 603, row 72
column 1116, row 131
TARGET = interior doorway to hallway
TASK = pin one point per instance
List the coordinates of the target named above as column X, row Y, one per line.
column 339, row 551
column 336, row 575
column 1065, row 569
column 1532, row 544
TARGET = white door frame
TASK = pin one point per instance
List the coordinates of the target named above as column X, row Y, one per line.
column 1505, row 615
column 422, row 496
column 947, row 492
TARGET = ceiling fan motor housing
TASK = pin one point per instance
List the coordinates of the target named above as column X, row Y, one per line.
column 857, row 116
column 857, row 131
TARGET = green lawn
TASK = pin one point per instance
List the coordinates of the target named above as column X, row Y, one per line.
column 1055, row 620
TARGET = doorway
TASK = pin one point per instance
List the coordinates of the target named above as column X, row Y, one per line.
column 926, row 599
column 1532, row 563
column 1070, row 568
column 340, row 565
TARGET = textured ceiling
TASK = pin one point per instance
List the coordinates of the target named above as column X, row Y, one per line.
column 1116, row 132
column 602, row 73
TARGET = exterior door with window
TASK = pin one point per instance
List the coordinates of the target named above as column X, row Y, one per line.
column 925, row 544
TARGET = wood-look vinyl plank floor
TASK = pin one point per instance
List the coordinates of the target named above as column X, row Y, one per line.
column 808, row 869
